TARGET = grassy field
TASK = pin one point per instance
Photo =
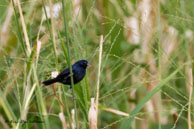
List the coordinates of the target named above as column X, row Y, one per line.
column 142, row 56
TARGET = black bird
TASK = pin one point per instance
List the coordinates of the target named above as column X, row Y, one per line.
column 78, row 72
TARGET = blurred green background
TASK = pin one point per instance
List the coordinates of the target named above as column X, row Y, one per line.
column 145, row 41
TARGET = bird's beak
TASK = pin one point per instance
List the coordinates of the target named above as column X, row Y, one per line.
column 88, row 64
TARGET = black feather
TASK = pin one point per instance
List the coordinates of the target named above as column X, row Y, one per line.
column 51, row 81
column 78, row 73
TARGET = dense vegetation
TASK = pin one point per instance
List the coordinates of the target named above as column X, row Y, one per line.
column 145, row 79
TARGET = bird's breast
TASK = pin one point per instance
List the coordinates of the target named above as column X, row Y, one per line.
column 78, row 75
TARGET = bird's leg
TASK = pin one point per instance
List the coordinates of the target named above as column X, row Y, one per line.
column 71, row 88
column 74, row 98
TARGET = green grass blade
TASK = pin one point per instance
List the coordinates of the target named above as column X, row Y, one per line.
column 68, row 61
column 126, row 124
column 7, row 108
column 30, row 60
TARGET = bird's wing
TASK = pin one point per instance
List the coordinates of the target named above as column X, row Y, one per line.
column 65, row 74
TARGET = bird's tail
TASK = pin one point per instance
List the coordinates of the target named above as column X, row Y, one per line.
column 51, row 81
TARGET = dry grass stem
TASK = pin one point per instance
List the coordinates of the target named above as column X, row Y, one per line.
column 99, row 72
column 62, row 118
column 73, row 119
column 190, row 88
column 53, row 75
column 92, row 115
column 24, row 28
column 116, row 112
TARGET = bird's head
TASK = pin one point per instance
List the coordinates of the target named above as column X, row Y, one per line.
column 83, row 63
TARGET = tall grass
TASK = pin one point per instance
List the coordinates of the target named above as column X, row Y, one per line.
column 143, row 78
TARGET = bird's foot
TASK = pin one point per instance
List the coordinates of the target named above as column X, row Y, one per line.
column 74, row 98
